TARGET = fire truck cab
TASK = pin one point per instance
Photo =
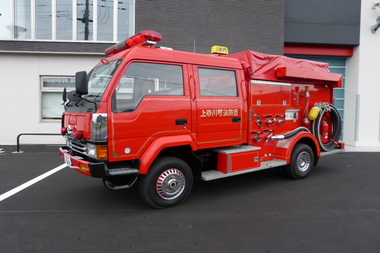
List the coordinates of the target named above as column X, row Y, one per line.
column 163, row 117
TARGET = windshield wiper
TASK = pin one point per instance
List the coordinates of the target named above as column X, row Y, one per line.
column 83, row 99
column 93, row 96
column 73, row 97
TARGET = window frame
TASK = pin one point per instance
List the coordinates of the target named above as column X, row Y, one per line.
column 235, row 78
column 155, row 80
column 47, row 90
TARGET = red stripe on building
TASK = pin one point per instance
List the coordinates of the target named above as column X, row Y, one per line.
column 319, row 50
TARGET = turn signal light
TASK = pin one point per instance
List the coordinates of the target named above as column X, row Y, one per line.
column 143, row 36
column 102, row 151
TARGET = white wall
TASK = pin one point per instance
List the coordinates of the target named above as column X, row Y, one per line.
column 362, row 102
column 20, row 96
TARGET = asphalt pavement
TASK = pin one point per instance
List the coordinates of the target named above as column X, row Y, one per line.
column 335, row 209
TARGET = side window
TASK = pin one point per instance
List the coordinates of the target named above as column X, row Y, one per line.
column 143, row 79
column 217, row 82
column 51, row 95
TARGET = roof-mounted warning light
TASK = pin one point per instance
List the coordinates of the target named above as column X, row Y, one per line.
column 143, row 37
column 219, row 50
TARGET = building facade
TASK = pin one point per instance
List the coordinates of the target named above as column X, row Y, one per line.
column 44, row 42
column 342, row 33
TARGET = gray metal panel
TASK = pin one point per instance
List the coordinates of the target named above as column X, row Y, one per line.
column 214, row 174
column 62, row 47
column 323, row 22
column 236, row 149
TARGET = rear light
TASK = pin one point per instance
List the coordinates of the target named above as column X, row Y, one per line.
column 143, row 36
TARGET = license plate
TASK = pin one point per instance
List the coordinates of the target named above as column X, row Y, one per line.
column 67, row 160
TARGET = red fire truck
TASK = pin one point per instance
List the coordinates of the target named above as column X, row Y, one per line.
column 163, row 117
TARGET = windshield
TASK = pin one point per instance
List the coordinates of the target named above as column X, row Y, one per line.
column 99, row 78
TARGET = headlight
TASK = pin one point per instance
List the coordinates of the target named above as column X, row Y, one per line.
column 97, row 151
column 91, row 150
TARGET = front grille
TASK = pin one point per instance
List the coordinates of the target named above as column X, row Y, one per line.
column 77, row 147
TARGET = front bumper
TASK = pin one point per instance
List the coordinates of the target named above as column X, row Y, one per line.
column 92, row 169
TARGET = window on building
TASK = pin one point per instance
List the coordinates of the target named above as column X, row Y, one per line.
column 89, row 20
column 142, row 79
column 51, row 94
column 22, row 24
column 217, row 82
column 43, row 20
column 5, row 10
column 64, row 20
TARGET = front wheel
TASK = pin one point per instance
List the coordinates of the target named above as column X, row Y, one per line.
column 301, row 163
column 168, row 182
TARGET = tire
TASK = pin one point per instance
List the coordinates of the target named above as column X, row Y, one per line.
column 301, row 163
column 168, row 182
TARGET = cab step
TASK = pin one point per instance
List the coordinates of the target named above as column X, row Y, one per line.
column 214, row 174
column 119, row 185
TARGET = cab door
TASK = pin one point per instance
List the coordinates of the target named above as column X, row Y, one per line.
column 151, row 100
column 219, row 107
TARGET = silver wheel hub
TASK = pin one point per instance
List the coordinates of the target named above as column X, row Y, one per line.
column 170, row 184
column 303, row 161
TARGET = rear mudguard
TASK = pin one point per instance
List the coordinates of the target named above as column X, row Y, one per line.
column 284, row 148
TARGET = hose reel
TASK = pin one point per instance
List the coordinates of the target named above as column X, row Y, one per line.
column 327, row 135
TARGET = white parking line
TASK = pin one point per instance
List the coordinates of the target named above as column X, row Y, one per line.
column 30, row 182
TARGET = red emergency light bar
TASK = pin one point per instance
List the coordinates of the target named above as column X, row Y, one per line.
column 143, row 36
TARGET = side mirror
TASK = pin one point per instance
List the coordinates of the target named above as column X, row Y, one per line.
column 81, row 83
column 64, row 96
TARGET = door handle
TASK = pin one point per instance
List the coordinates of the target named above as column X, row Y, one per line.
column 236, row 119
column 181, row 122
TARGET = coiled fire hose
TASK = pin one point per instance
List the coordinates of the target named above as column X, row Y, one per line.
column 317, row 114
column 290, row 134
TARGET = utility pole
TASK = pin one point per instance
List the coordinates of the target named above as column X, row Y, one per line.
column 86, row 20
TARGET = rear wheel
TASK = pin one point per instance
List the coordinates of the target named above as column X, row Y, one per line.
column 168, row 182
column 302, row 162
